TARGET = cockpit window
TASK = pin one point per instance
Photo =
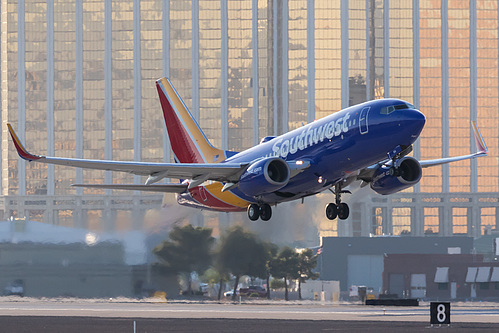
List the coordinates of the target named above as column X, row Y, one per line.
column 401, row 107
column 389, row 109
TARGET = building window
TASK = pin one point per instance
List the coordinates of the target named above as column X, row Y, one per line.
column 431, row 221
column 485, row 285
column 496, row 285
column 377, row 221
column 460, row 221
column 443, row 286
column 401, row 218
column 487, row 220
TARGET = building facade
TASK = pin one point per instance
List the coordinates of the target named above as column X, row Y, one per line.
column 440, row 276
column 360, row 260
column 77, row 80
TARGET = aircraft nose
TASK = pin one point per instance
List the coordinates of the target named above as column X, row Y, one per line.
column 415, row 119
column 416, row 115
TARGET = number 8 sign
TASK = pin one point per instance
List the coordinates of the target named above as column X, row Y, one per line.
column 440, row 313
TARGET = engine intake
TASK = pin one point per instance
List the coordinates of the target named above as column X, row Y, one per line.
column 395, row 177
column 264, row 176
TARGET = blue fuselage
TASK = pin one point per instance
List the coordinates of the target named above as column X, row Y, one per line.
column 337, row 145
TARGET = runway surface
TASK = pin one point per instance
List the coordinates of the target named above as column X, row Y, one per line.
column 35, row 315
column 152, row 325
column 462, row 312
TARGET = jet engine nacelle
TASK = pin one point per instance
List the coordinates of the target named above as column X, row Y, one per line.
column 396, row 176
column 264, row 176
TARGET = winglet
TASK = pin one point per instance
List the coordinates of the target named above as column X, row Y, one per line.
column 20, row 148
column 480, row 143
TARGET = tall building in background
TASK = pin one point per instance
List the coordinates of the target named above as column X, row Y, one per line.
column 78, row 80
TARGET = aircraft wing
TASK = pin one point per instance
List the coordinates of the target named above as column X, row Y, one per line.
column 367, row 173
column 480, row 145
column 225, row 172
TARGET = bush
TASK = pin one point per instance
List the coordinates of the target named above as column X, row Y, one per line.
column 277, row 284
column 193, row 293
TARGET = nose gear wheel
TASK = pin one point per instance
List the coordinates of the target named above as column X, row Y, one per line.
column 331, row 211
column 343, row 211
column 338, row 209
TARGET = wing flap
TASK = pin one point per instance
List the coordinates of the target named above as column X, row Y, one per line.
column 440, row 161
column 166, row 188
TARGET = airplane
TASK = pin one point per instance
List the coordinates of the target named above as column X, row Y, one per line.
column 367, row 143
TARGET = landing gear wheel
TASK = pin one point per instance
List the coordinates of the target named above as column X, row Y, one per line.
column 343, row 211
column 331, row 211
column 253, row 212
column 265, row 212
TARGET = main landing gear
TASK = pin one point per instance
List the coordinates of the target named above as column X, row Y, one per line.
column 338, row 209
column 263, row 211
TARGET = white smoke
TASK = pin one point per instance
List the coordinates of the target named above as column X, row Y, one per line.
column 300, row 224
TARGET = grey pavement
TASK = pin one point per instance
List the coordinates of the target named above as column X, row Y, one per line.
column 29, row 315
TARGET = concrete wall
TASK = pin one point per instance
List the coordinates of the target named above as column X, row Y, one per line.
column 80, row 280
column 331, row 289
column 50, row 270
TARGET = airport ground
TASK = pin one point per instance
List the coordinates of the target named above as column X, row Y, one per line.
column 70, row 315
column 120, row 325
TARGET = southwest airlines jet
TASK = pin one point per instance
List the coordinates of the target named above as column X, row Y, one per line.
column 369, row 143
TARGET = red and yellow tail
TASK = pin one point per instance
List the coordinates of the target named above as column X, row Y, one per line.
column 188, row 142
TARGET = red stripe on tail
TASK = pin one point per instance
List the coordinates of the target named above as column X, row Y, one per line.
column 183, row 147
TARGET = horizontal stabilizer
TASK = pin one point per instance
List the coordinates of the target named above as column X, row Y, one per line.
column 166, row 188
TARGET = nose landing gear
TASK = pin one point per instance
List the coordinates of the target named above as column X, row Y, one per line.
column 263, row 211
column 338, row 209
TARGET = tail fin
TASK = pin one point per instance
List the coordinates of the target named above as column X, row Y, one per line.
column 189, row 144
